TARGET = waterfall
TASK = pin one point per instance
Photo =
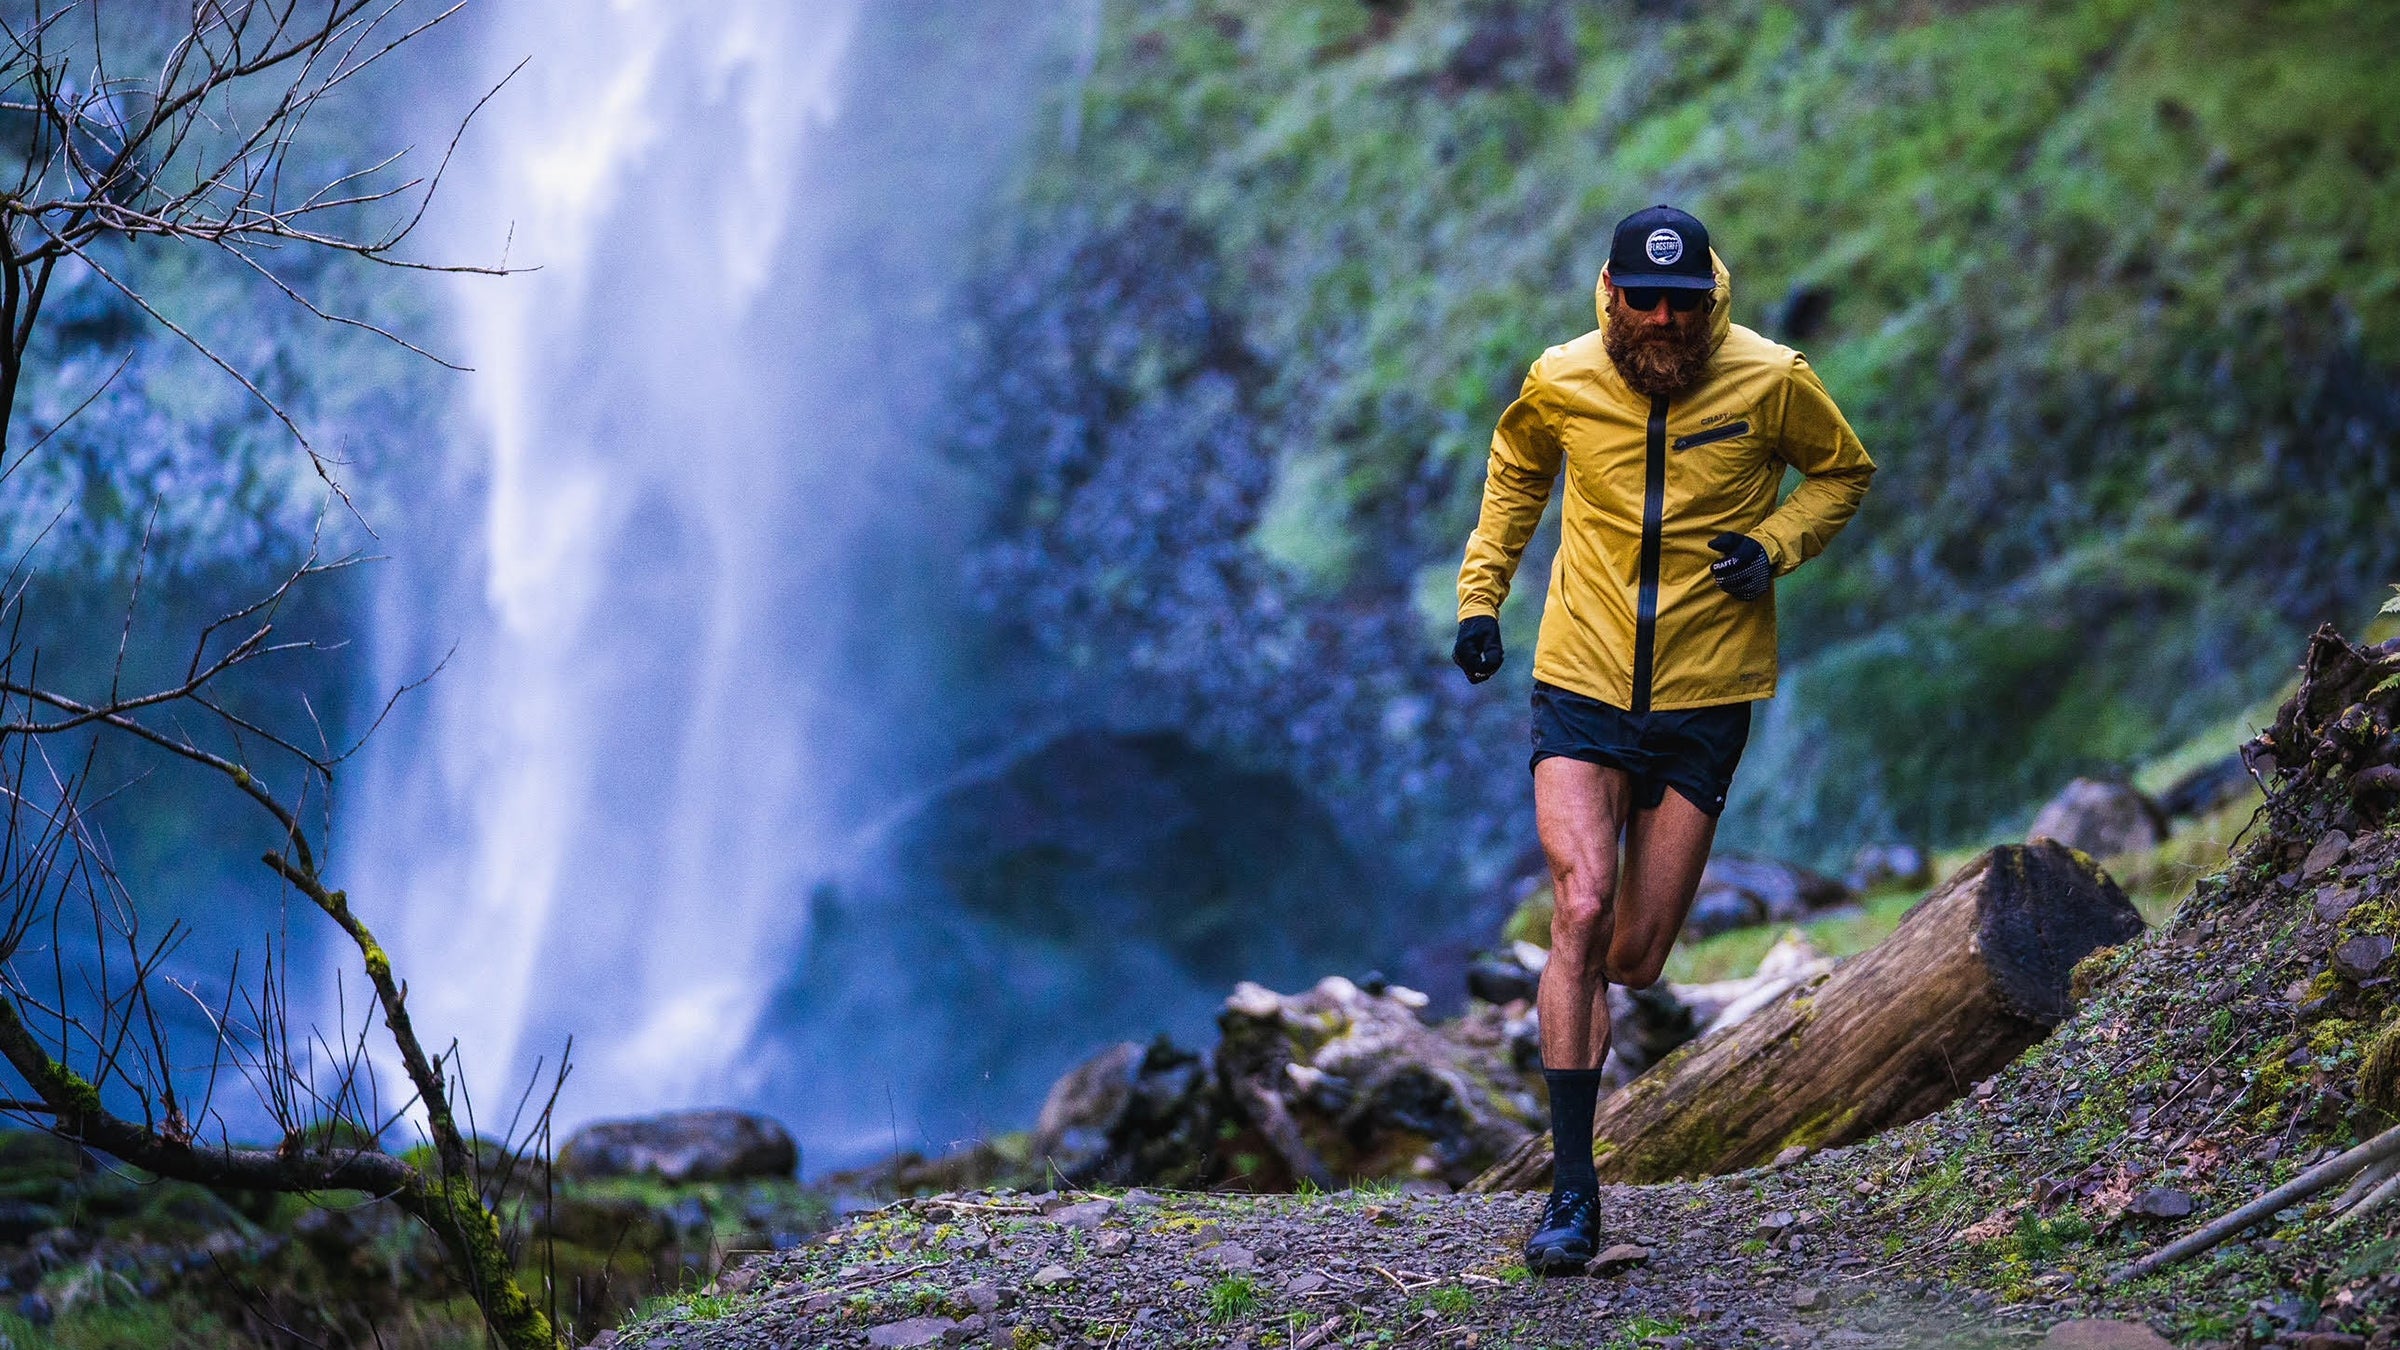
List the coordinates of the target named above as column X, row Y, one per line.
column 679, row 552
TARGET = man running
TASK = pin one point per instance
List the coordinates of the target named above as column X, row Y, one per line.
column 1674, row 426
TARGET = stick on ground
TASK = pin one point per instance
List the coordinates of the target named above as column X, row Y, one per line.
column 2308, row 1183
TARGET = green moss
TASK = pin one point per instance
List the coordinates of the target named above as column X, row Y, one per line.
column 2379, row 1070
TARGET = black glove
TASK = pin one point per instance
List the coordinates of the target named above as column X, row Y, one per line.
column 1744, row 572
column 1477, row 650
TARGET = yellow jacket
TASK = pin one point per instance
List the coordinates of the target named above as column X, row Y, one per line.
column 1633, row 617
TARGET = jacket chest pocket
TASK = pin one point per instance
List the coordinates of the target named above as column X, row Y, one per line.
column 1713, row 435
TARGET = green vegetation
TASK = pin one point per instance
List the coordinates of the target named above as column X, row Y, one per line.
column 1642, row 1328
column 2103, row 286
column 1232, row 1298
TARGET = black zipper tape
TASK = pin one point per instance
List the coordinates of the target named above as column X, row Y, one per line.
column 1723, row 433
column 1654, row 508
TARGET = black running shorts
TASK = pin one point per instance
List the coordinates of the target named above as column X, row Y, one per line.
column 1692, row 750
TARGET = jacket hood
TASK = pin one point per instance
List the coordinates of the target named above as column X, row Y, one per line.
column 1720, row 318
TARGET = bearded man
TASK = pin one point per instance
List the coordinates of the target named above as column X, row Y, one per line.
column 1674, row 426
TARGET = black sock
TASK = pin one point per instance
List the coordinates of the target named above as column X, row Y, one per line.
column 1573, row 1094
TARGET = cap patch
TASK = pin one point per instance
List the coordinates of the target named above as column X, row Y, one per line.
column 1664, row 247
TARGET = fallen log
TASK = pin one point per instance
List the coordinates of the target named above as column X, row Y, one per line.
column 1976, row 973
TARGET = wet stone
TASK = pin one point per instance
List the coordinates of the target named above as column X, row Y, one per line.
column 2163, row 1203
column 1086, row 1216
column 2358, row 959
column 913, row 1332
column 1623, row 1256
column 1231, row 1256
column 2328, row 851
column 2101, row 1334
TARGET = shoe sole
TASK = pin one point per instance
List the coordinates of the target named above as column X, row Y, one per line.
column 1555, row 1263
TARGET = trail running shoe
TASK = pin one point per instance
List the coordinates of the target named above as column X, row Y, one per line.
column 1569, row 1233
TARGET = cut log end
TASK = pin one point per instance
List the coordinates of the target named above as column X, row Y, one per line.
column 2041, row 909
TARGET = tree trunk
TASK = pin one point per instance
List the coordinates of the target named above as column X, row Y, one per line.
column 1977, row 972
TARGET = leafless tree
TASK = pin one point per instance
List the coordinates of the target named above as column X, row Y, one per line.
column 196, row 148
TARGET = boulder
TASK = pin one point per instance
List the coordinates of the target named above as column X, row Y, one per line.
column 1131, row 1114
column 1340, row 1084
column 1877, row 865
column 1084, row 1105
column 682, row 1147
column 2211, row 787
column 2103, row 819
column 1501, row 979
column 1649, row 1024
column 1736, row 892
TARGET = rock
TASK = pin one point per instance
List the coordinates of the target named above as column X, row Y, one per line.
column 1381, row 1090
column 1084, row 1105
column 1623, row 1256
column 2335, row 901
column 2097, row 1334
column 1808, row 1298
column 2328, row 851
column 1232, row 1257
column 2162, row 1203
column 915, row 1331
column 1113, row 1243
column 1721, row 911
column 1306, row 1282
column 2359, row 958
column 1049, row 1276
column 21, row 1219
column 1774, row 1225
column 1086, row 1216
column 1498, row 979
column 1767, row 891
column 2103, row 819
column 682, row 1147
column 1131, row 1113
column 1796, row 1153
column 2214, row 785
column 1649, row 1024
column 980, row 1296
column 1889, row 865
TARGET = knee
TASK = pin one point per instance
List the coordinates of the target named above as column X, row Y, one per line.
column 1580, row 917
column 1636, row 965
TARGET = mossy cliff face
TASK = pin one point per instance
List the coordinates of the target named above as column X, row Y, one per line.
column 2103, row 286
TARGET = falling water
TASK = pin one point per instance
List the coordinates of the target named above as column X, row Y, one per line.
column 681, row 558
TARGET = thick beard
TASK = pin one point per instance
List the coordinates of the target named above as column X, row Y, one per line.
column 1657, row 362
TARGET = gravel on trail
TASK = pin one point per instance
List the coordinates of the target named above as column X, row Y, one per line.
column 1691, row 1268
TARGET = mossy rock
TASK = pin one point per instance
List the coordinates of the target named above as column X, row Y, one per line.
column 2379, row 1071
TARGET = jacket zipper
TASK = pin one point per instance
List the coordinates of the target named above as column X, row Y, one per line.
column 1723, row 433
column 1654, row 503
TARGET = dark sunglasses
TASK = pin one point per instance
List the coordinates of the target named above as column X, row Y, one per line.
column 1645, row 298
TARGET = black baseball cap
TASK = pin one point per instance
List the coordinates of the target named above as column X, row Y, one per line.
column 1664, row 247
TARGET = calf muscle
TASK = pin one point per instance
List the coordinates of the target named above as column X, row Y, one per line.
column 1612, row 920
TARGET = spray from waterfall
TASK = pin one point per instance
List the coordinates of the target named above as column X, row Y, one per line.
column 663, row 545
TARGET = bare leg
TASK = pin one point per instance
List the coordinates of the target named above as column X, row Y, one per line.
column 1580, row 810
column 1665, row 851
